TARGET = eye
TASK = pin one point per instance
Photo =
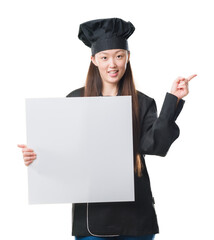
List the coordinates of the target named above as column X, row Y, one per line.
column 119, row 56
column 103, row 58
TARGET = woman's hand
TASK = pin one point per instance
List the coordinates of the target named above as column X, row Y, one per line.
column 28, row 154
column 180, row 86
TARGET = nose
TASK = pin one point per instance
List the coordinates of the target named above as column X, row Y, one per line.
column 112, row 63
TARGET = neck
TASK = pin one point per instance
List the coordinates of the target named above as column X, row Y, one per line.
column 109, row 89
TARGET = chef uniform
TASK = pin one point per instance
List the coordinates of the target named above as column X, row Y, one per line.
column 138, row 218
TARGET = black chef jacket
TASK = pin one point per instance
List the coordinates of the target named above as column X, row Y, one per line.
column 133, row 218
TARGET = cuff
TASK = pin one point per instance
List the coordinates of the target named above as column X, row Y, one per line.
column 169, row 109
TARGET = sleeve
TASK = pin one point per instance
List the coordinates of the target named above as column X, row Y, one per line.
column 158, row 133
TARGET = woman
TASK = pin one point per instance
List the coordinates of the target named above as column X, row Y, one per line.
column 110, row 74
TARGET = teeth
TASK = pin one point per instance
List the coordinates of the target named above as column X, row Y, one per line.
column 112, row 71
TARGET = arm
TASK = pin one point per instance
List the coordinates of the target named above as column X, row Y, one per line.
column 158, row 133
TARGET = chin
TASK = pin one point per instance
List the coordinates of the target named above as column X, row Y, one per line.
column 113, row 80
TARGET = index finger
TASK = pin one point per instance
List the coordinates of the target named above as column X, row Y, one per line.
column 191, row 77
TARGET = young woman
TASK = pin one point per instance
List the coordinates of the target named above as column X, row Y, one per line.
column 110, row 74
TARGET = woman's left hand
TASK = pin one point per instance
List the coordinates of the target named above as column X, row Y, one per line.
column 180, row 86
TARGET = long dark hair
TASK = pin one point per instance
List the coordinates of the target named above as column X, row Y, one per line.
column 93, row 87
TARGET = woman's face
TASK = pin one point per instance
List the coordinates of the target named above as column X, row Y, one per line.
column 111, row 64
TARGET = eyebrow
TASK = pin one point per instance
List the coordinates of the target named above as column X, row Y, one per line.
column 103, row 52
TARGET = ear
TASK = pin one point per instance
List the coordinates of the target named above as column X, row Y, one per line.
column 94, row 60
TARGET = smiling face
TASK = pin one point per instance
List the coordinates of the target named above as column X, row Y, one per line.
column 111, row 64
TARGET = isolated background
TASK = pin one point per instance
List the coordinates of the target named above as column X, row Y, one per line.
column 41, row 56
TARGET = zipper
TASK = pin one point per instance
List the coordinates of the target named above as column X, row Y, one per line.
column 96, row 235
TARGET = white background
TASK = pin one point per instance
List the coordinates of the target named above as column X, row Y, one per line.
column 41, row 56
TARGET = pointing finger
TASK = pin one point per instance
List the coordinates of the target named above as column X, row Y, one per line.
column 191, row 77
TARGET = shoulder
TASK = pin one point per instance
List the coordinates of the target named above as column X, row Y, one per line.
column 144, row 99
column 79, row 92
column 146, row 104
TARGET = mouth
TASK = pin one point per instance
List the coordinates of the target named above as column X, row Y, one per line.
column 113, row 73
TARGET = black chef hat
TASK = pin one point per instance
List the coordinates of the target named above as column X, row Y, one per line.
column 104, row 34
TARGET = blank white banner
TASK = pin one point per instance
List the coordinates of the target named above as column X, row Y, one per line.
column 84, row 148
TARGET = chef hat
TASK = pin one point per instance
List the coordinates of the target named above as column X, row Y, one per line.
column 104, row 34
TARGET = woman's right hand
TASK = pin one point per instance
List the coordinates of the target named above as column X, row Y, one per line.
column 28, row 154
